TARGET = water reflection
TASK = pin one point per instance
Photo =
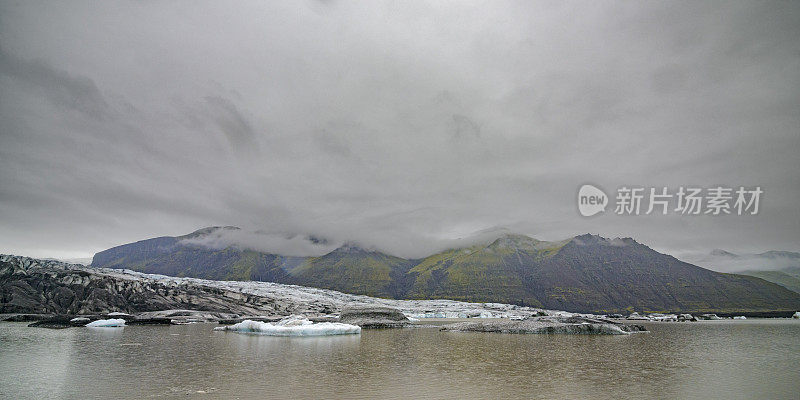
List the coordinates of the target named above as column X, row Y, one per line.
column 34, row 362
column 271, row 346
column 107, row 332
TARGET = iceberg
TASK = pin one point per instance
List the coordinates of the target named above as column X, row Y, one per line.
column 106, row 323
column 293, row 325
column 663, row 317
column 548, row 325
column 118, row 314
column 636, row 316
column 461, row 314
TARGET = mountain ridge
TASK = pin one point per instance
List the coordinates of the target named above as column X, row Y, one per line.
column 585, row 273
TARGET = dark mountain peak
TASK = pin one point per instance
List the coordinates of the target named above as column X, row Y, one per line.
column 723, row 253
column 352, row 248
column 589, row 239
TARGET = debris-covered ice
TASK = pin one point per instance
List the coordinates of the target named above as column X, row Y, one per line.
column 260, row 298
column 291, row 295
column 293, row 325
column 548, row 325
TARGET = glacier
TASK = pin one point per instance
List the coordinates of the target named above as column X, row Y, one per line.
column 254, row 298
column 298, row 298
column 293, row 325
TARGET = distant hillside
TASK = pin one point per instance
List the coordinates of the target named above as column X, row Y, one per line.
column 586, row 273
column 791, row 282
column 175, row 256
column 352, row 269
column 589, row 273
column 501, row 271
column 781, row 267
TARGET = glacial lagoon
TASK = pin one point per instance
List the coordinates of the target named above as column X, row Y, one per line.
column 741, row 359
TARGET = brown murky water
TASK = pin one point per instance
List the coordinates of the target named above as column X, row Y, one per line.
column 713, row 359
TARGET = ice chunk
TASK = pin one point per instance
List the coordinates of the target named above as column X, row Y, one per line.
column 106, row 323
column 294, row 320
column 118, row 314
column 293, row 325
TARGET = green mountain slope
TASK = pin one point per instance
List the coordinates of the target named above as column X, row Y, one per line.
column 173, row 257
column 500, row 271
column 589, row 273
column 601, row 275
column 586, row 273
column 355, row 270
column 791, row 282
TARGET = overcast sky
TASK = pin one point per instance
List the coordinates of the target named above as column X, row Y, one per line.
column 399, row 125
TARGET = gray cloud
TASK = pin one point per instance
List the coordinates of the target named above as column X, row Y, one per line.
column 403, row 126
column 284, row 244
column 232, row 123
column 730, row 262
column 63, row 89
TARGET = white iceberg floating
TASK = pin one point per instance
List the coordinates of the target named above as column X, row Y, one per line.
column 106, row 323
column 293, row 325
column 663, row 317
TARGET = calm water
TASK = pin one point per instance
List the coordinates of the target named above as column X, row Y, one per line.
column 725, row 359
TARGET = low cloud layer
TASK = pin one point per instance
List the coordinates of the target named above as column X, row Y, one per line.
column 403, row 126
column 273, row 243
column 730, row 262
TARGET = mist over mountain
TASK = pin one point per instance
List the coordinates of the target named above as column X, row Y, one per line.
column 219, row 238
column 584, row 273
column 781, row 267
column 773, row 260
